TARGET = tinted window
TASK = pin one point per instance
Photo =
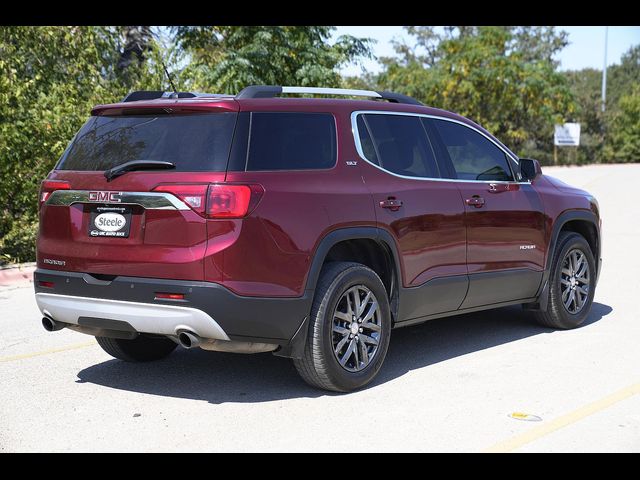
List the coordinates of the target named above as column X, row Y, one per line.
column 365, row 141
column 398, row 144
column 195, row 142
column 291, row 141
column 474, row 157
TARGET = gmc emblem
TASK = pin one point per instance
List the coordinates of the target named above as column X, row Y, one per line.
column 104, row 196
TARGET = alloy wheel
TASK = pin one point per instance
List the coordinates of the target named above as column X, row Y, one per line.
column 356, row 328
column 575, row 278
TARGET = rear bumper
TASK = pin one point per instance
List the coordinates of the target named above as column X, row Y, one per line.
column 208, row 309
column 143, row 317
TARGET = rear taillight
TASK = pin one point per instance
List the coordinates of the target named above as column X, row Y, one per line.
column 230, row 201
column 49, row 186
column 195, row 196
column 217, row 200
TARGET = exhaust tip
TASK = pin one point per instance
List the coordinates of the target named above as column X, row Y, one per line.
column 188, row 339
column 50, row 325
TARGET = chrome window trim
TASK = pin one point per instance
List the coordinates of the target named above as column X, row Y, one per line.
column 148, row 200
column 356, row 137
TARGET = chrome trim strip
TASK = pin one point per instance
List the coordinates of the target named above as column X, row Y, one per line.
column 356, row 137
column 332, row 91
column 148, row 200
column 143, row 317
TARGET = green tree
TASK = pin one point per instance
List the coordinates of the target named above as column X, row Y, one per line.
column 504, row 78
column 622, row 138
column 50, row 77
column 228, row 58
column 622, row 77
column 586, row 87
column 623, row 141
column 607, row 137
column 137, row 41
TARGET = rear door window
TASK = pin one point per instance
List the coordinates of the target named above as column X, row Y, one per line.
column 398, row 144
column 192, row 142
column 474, row 157
column 291, row 141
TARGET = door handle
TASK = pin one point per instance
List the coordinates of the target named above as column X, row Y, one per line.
column 475, row 201
column 391, row 203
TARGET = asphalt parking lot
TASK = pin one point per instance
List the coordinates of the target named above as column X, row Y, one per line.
column 448, row 385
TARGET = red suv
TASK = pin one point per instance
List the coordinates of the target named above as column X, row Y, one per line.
column 306, row 227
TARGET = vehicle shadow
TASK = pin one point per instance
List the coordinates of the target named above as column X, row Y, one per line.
column 226, row 377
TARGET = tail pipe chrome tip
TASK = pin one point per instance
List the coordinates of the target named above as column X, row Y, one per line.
column 189, row 340
column 50, row 325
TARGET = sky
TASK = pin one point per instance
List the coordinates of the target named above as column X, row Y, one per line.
column 585, row 49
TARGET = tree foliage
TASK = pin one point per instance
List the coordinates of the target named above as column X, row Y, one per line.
column 621, row 78
column 50, row 78
column 623, row 142
column 228, row 58
column 586, row 86
column 613, row 135
column 504, row 78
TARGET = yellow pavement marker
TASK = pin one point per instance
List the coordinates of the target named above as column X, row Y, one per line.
column 535, row 433
column 47, row 352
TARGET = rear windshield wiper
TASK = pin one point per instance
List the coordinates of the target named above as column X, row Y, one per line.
column 136, row 165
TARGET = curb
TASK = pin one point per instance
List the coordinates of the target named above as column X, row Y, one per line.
column 15, row 274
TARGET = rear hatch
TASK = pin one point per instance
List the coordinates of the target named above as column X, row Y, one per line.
column 148, row 221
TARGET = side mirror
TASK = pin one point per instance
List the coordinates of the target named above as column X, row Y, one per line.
column 530, row 169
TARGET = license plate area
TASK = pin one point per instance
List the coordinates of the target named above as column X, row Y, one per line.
column 109, row 221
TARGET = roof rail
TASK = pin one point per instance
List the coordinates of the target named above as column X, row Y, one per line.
column 153, row 94
column 270, row 91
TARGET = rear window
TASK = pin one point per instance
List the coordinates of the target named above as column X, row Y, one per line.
column 193, row 142
column 291, row 141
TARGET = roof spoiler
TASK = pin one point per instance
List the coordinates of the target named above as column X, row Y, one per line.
column 154, row 94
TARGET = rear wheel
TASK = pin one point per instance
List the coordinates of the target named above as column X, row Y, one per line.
column 571, row 283
column 349, row 329
column 140, row 349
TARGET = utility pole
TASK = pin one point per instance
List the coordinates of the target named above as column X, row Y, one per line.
column 604, row 70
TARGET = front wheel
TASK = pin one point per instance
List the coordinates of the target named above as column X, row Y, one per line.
column 571, row 283
column 349, row 329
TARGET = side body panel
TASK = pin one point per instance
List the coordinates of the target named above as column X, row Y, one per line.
column 273, row 248
column 429, row 233
column 506, row 242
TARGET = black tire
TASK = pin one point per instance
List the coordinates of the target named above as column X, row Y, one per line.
column 140, row 349
column 557, row 316
column 319, row 366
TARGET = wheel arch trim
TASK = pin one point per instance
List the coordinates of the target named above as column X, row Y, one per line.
column 561, row 221
column 334, row 237
column 564, row 218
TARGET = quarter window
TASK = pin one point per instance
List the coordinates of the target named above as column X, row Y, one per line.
column 473, row 156
column 397, row 143
column 291, row 141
